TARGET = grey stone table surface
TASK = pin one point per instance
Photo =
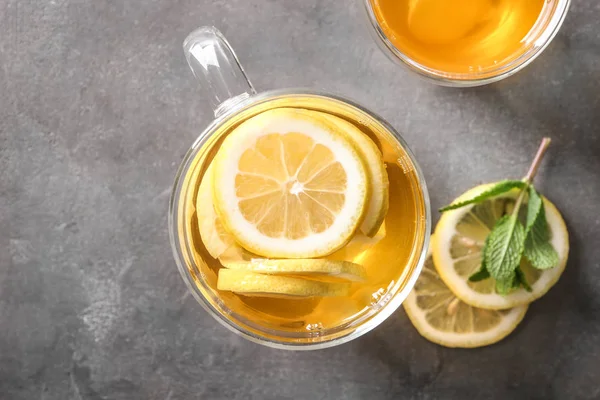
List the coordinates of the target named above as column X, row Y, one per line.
column 97, row 108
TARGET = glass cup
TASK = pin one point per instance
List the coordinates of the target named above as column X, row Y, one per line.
column 233, row 98
column 540, row 36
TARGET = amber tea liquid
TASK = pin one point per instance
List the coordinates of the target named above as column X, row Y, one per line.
column 388, row 262
column 458, row 36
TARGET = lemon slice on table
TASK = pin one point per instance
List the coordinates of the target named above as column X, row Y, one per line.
column 254, row 284
column 289, row 186
column 443, row 318
column 459, row 237
column 303, row 267
column 378, row 203
column 212, row 232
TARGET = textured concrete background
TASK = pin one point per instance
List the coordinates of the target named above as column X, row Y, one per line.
column 97, row 108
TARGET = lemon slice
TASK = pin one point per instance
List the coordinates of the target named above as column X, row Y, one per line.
column 254, row 284
column 459, row 237
column 356, row 248
column 444, row 319
column 303, row 267
column 289, row 186
column 378, row 203
column 236, row 253
column 365, row 241
column 214, row 236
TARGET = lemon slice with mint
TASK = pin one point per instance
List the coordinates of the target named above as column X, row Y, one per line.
column 459, row 240
column 501, row 245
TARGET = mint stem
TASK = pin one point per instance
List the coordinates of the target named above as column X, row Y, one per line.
column 533, row 169
column 535, row 165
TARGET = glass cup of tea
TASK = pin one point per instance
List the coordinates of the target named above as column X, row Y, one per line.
column 464, row 42
column 281, row 227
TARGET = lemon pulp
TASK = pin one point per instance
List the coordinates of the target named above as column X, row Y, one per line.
column 287, row 185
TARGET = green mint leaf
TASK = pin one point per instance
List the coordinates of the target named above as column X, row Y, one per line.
column 504, row 248
column 483, row 273
column 540, row 255
column 535, row 206
column 521, row 279
column 480, row 275
column 497, row 189
column 504, row 286
column 538, row 249
column 539, row 228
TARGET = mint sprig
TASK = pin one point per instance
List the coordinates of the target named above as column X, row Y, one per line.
column 510, row 239
column 498, row 189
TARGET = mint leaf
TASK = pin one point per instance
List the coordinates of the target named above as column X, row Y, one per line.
column 539, row 228
column 505, row 246
column 504, row 286
column 540, row 253
column 497, row 189
column 480, row 275
column 538, row 249
column 541, row 256
column 521, row 279
column 535, row 205
column 483, row 273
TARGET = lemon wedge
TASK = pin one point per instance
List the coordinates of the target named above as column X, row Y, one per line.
column 443, row 318
column 378, row 203
column 316, row 268
column 459, row 237
column 287, row 185
column 253, row 284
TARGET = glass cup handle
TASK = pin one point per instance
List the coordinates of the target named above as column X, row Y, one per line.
column 217, row 68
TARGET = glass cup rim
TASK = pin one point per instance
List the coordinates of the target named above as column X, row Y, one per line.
column 442, row 78
column 362, row 328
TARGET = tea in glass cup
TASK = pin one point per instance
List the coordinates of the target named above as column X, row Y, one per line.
column 298, row 219
column 465, row 42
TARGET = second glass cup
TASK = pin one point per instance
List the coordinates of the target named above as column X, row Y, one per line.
column 392, row 259
column 531, row 28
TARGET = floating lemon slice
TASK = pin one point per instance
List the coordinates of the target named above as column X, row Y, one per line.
column 459, row 237
column 288, row 185
column 235, row 254
column 214, row 236
column 364, row 241
column 378, row 203
column 443, row 318
column 254, row 284
column 303, row 267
